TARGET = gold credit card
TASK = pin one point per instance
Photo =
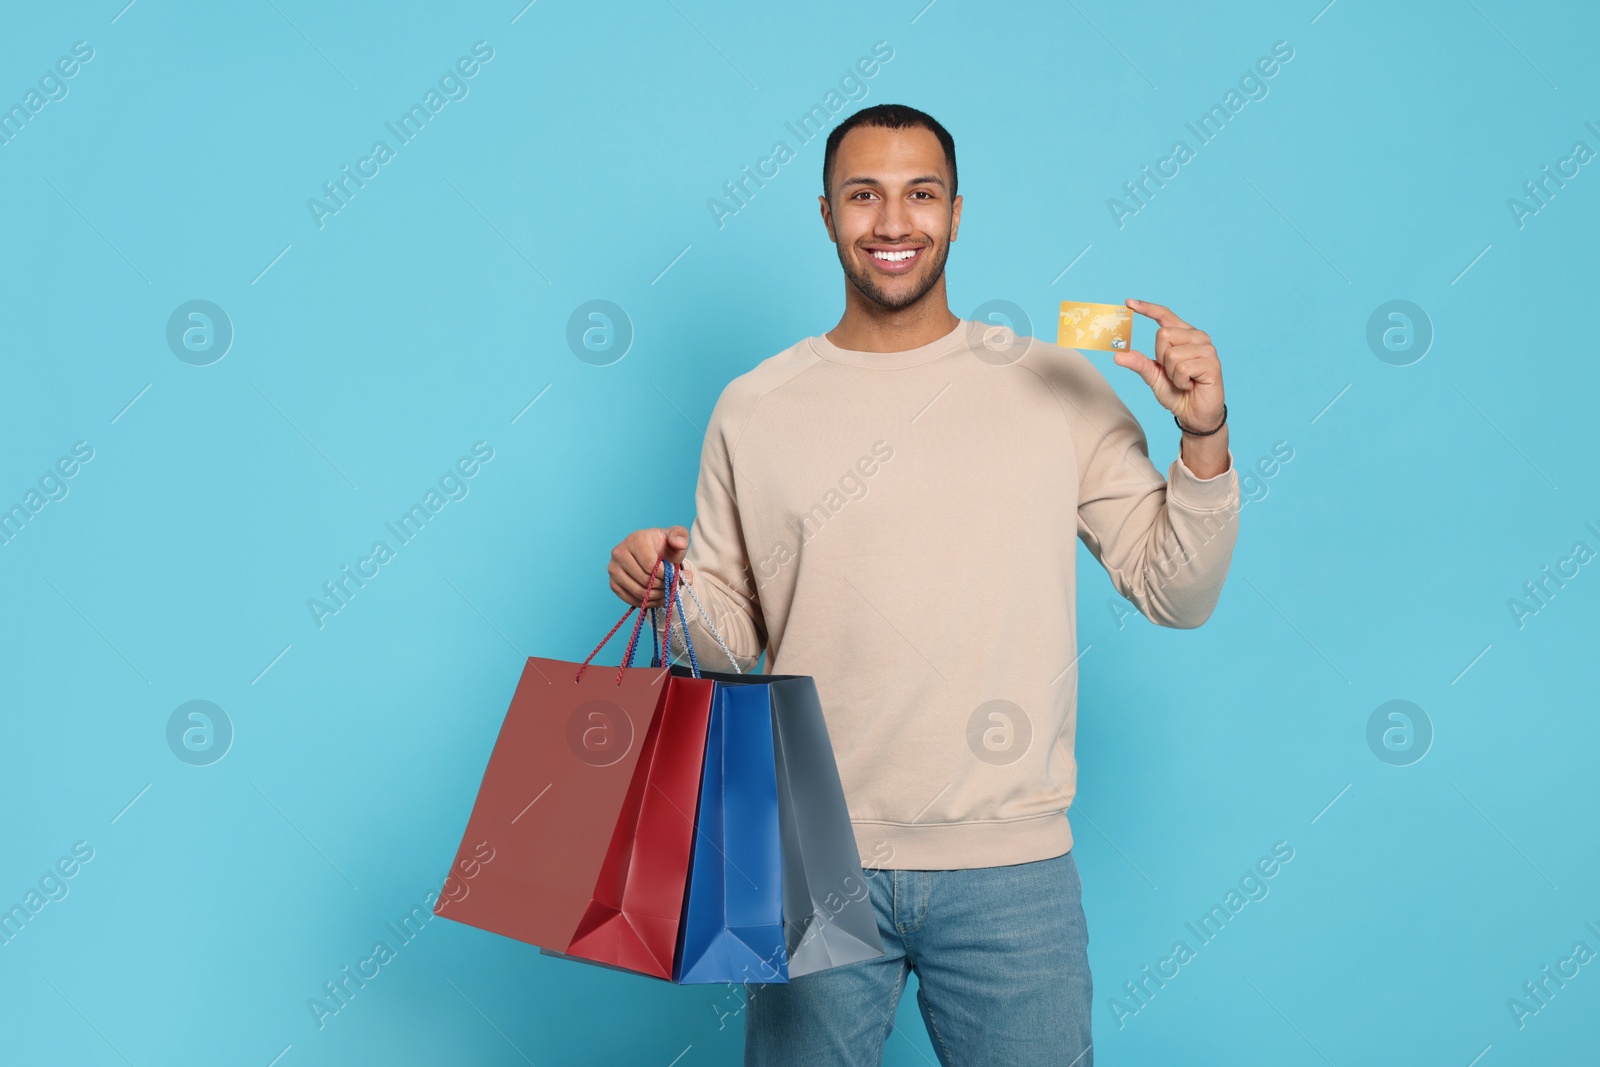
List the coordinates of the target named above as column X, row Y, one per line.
column 1108, row 327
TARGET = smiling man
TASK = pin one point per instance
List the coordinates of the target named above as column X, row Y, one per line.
column 891, row 508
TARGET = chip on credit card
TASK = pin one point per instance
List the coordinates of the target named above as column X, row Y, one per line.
column 1108, row 327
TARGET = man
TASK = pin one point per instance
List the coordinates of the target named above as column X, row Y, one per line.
column 891, row 508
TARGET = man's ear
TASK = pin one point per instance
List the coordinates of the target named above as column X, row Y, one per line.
column 827, row 218
column 955, row 217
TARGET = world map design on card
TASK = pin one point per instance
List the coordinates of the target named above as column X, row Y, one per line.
column 1108, row 327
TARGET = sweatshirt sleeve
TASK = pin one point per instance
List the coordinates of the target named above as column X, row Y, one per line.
column 1165, row 544
column 723, row 578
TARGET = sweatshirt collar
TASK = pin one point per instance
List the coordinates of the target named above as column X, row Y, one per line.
column 954, row 340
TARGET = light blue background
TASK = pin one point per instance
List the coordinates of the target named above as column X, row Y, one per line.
column 430, row 311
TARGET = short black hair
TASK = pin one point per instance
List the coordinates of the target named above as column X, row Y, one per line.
column 889, row 117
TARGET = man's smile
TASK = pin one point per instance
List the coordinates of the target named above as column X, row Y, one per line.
column 894, row 259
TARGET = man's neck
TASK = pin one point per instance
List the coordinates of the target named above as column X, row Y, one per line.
column 868, row 327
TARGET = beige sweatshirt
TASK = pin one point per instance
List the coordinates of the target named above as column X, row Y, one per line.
column 901, row 526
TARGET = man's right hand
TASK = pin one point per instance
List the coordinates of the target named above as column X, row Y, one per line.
column 633, row 559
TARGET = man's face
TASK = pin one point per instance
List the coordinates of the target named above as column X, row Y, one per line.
column 892, row 217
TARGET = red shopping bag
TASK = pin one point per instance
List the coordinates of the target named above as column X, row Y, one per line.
column 634, row 915
column 554, row 791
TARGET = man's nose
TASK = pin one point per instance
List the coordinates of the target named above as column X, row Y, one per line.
column 893, row 221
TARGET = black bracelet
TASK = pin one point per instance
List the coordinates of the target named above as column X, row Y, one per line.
column 1204, row 433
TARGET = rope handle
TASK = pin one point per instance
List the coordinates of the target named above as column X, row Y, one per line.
column 709, row 626
column 683, row 623
column 659, row 654
column 655, row 640
column 634, row 637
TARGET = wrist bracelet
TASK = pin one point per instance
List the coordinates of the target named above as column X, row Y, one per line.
column 1204, row 433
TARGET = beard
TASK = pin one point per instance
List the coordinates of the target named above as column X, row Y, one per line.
column 867, row 285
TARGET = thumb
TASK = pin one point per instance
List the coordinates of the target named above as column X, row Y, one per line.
column 1145, row 367
column 675, row 543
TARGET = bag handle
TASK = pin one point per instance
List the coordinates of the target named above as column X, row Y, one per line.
column 683, row 625
column 709, row 626
column 656, row 659
column 658, row 656
column 633, row 639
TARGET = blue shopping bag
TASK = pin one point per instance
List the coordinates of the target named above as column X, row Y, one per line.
column 732, row 928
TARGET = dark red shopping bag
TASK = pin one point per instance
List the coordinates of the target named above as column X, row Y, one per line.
column 557, row 787
column 633, row 918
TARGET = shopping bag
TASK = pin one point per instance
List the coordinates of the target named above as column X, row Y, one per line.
column 729, row 930
column 637, row 904
column 553, row 792
column 828, row 918
column 732, row 928
column 733, row 917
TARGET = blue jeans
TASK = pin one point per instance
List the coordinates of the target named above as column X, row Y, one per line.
column 1002, row 964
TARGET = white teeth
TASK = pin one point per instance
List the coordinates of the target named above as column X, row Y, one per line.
column 895, row 257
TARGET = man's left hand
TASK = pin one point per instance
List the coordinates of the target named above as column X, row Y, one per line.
column 1185, row 375
column 1187, row 380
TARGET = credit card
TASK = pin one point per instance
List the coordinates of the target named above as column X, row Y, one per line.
column 1108, row 327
